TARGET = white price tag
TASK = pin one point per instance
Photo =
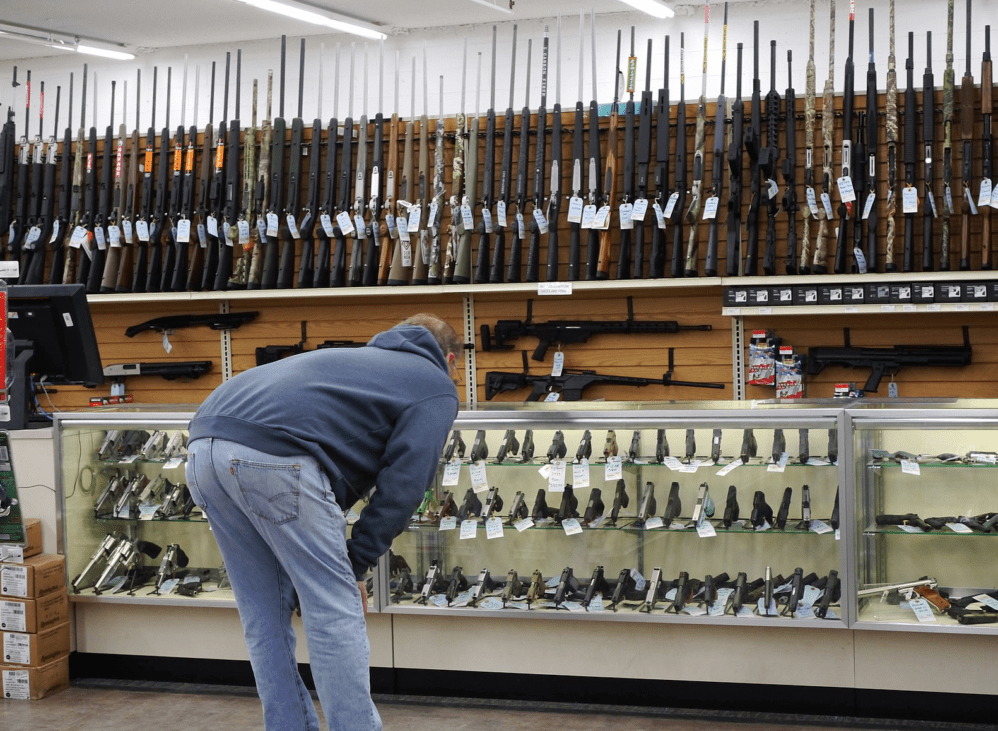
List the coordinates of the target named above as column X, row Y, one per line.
column 804, row 611
column 114, row 236
column 545, row 471
column 780, row 465
column 910, row 467
column 812, row 201
column 487, row 220
column 959, row 528
column 909, row 528
column 706, row 530
column 868, row 206
column 922, row 610
column 501, row 214
column 772, row 188
column 602, row 220
column 213, row 226
column 126, row 229
column 613, row 469
column 717, row 608
column 659, row 215
column 984, row 199
column 987, row 600
column 571, row 526
column 99, row 236
column 452, row 474
column 671, row 205
column 343, row 220
column 559, row 363
column 810, row 596
column 469, row 529
column 80, row 235
column 948, row 202
column 490, row 603
column 588, row 216
column 692, row 466
column 728, row 467
column 826, row 202
column 909, row 200
column 710, row 208
column 327, row 225
column 184, row 230
column 625, row 216
column 522, row 525
column 33, row 233
column 359, row 227
column 415, row 212
column 653, row 523
column 467, row 218
column 672, row 463
column 820, row 527
column 764, row 527
column 771, row 611
column 479, row 482
column 392, row 227
column 403, row 227
column 541, row 221
column 556, row 480
column 994, row 197
column 431, row 218
column 554, row 288
column 55, row 231
column 449, row 523
column 846, row 192
column 580, row 474
column 493, row 528
column 575, row 209
column 596, row 605
column 521, row 228
column 932, row 204
column 639, row 209
column 242, row 226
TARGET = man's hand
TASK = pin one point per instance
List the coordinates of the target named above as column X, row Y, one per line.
column 362, row 588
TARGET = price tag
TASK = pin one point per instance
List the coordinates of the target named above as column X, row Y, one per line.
column 653, row 523
column 575, row 209
column 431, row 218
column 771, row 611
column 588, row 216
column 602, row 220
column 868, row 206
column 639, row 209
column 571, row 526
column 860, row 259
column 490, row 603
column 613, row 469
column 414, row 214
column 146, row 512
column 706, row 530
column 184, row 230
column 469, row 529
column 826, row 202
column 359, row 227
column 596, row 605
column 522, row 525
column 342, row 220
column 780, row 465
column 80, row 235
column 994, row 197
column 984, row 198
column 554, row 288
column 987, row 600
column 403, row 228
column 580, row 474
column 728, row 467
column 292, row 226
column 959, row 528
column 479, row 482
column 559, row 363
column 213, row 225
column 449, row 523
column 56, row 226
column 487, row 220
column 922, row 610
column 846, row 192
column 717, row 608
column 810, row 596
column 659, row 215
column 671, row 205
column 910, row 528
column 804, row 611
column 910, row 467
column 639, row 580
column 625, row 216
column 773, row 188
column 948, row 201
column 672, row 463
column 932, row 204
column 467, row 217
column 812, row 202
column 173, row 463
column 493, row 528
column 540, row 220
column 521, row 228
column 545, row 471
column 99, row 235
column 438, row 600
column 33, row 233
column 820, row 527
column 556, row 480
column 909, row 200
column 710, row 208
column 203, row 234
column 327, row 224
column 452, row 474
column 552, row 397
column 765, row 526
column 392, row 228
column 114, row 236
column 501, row 214
column 692, row 466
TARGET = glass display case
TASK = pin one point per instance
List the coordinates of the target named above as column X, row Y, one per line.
column 697, row 513
column 925, row 517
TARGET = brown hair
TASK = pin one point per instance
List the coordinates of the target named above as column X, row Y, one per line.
column 443, row 333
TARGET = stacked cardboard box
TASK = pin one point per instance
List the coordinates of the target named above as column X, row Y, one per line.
column 34, row 624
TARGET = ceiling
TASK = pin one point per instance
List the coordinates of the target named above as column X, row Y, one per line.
column 155, row 25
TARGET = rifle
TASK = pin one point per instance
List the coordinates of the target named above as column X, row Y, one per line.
column 89, row 211
column 217, row 321
column 789, row 203
column 845, row 204
column 195, row 277
column 160, row 212
column 571, row 383
column 65, row 188
column 306, row 269
column 892, row 142
column 753, row 143
column 811, row 210
column 677, row 201
column 388, row 251
column 288, row 229
column 274, row 203
column 244, row 226
column 19, row 226
column 469, row 141
column 699, row 146
column 401, row 270
column 355, row 276
column 820, row 263
column 73, row 236
column 883, row 361
column 181, row 272
column 372, row 254
column 35, row 271
column 610, row 181
column 627, row 190
column 967, row 135
column 644, row 160
column 96, row 273
column 553, row 212
column 421, row 264
column 178, row 238
column 519, row 229
column 949, row 79
column 488, row 178
column 228, row 196
column 910, row 110
column 734, row 240
column 115, row 255
column 456, row 203
column 717, row 172
column 327, row 206
column 928, row 139
column 30, row 230
column 769, row 161
column 575, row 204
column 344, row 226
column 170, row 371
column 987, row 141
column 872, row 127
column 435, row 215
column 534, row 250
column 595, row 195
column 7, row 135
column 663, row 114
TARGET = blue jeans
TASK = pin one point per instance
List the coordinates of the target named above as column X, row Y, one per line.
column 280, row 531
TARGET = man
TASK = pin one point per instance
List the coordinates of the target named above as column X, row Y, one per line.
column 276, row 457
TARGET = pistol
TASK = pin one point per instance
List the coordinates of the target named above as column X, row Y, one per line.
column 803, row 447
column 513, row 588
column 691, row 445
column 153, row 445
column 403, row 586
column 704, row 507
column 173, row 559
column 661, row 446
column 566, row 584
column 448, row 506
column 110, row 495
column 569, row 505
column 779, row 445
column 674, row 506
column 749, row 446
column 509, row 445
column 796, row 592
column 805, row 509
column 471, row 507
column 833, row 445
column 652, row 592
column 595, row 507
column 624, row 586
column 493, row 503
column 831, row 588
column 527, row 450
column 648, row 504
column 835, row 512
column 585, row 449
column 597, row 583
column 715, row 446
column 557, row 450
column 106, row 449
column 731, row 507
column 456, row 444
column 761, row 511
column 635, row 451
column 519, row 510
column 682, row 590
column 541, row 510
column 97, row 562
column 433, row 583
column 784, row 511
column 620, row 500
column 536, row 588
column 610, row 447
column 479, row 449
column 456, row 585
column 484, row 585
column 738, row 595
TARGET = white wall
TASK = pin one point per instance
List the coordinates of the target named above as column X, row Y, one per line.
column 780, row 20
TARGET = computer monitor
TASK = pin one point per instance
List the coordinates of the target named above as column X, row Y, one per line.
column 53, row 339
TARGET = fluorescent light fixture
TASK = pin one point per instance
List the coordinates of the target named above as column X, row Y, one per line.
column 106, row 53
column 652, row 7
column 61, row 42
column 508, row 9
column 299, row 13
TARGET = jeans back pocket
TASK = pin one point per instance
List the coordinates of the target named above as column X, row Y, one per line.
column 271, row 491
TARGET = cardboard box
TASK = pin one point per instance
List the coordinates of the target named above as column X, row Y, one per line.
column 34, row 615
column 32, row 537
column 37, row 576
column 22, row 648
column 34, row 683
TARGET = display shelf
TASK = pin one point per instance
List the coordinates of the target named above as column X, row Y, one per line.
column 628, row 525
column 879, row 530
column 798, row 310
column 109, row 519
column 218, row 599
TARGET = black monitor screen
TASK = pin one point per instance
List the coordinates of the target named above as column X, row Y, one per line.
column 55, row 320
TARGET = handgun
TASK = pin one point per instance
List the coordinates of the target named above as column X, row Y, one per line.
column 610, row 447
column 456, row 585
column 127, row 505
column 624, row 586
column 97, row 561
column 493, row 503
column 661, row 446
column 479, row 449
column 803, row 447
column 730, row 507
column 833, row 445
column 784, row 511
column 828, row 597
column 749, row 446
column 456, row 444
column 635, row 451
column 779, row 445
column 527, row 450
column 448, row 506
column 767, row 594
column 835, row 512
column 682, row 593
column 710, row 584
column 110, row 495
column 569, row 505
column 513, row 588
column 567, row 584
column 509, row 445
column 483, row 586
column 796, row 592
column 674, row 506
column 173, row 559
column 557, row 450
column 433, row 583
column 403, row 586
column 470, row 507
column 106, row 449
column 519, row 510
column 704, row 507
column 652, row 592
column 761, row 511
column 805, row 509
column 691, row 445
column 648, row 504
column 153, row 445
column 131, row 442
column 597, row 583
column 124, row 557
column 595, row 506
column 620, row 500
column 585, row 449
column 715, row 446
column 541, row 510
column 536, row 589
column 174, row 446
column 738, row 595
